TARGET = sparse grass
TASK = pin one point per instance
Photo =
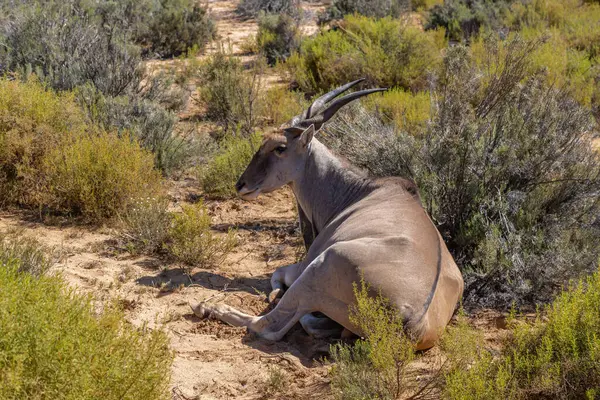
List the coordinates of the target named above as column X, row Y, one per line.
column 55, row 346
column 146, row 225
column 193, row 242
column 219, row 176
column 33, row 257
column 276, row 381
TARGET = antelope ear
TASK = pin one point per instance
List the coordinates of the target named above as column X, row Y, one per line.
column 294, row 130
column 307, row 135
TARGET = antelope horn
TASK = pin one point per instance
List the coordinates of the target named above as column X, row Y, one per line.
column 319, row 103
column 330, row 111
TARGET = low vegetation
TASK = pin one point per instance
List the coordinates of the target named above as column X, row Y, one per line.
column 32, row 257
column 377, row 8
column 218, row 178
column 555, row 357
column 229, row 94
column 97, row 51
column 280, row 105
column 376, row 367
column 55, row 346
column 146, row 225
column 99, row 176
column 174, row 26
column 33, row 122
column 387, row 52
column 187, row 236
column 410, row 112
column 52, row 158
column 192, row 240
column 278, row 35
column 251, row 8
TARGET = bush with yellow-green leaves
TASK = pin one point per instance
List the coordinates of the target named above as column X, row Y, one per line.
column 55, row 345
column 53, row 159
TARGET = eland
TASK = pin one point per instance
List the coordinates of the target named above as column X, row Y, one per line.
column 354, row 227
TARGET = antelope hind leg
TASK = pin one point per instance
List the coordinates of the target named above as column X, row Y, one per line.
column 321, row 326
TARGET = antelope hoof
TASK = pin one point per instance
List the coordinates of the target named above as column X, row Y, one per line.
column 275, row 295
column 201, row 310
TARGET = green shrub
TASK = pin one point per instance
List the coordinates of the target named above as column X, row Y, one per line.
column 192, row 241
column 99, row 176
column 177, row 26
column 155, row 126
column 33, row 122
column 251, row 8
column 387, row 52
column 278, row 35
column 409, row 111
column 218, row 178
column 370, row 8
column 556, row 357
column 93, row 50
column 280, row 105
column 374, row 367
column 505, row 168
column 146, row 225
column 230, row 95
column 50, row 157
column 464, row 19
column 55, row 346
column 563, row 66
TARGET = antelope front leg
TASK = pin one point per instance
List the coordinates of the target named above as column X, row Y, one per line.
column 272, row 326
column 283, row 278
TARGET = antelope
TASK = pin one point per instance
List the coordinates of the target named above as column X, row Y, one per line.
column 355, row 227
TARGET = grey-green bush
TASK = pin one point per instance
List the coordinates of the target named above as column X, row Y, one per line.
column 278, row 35
column 464, row 19
column 93, row 48
column 230, row 94
column 175, row 27
column 251, row 8
column 370, row 8
column 506, row 170
column 65, row 44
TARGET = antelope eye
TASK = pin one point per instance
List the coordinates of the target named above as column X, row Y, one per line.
column 279, row 150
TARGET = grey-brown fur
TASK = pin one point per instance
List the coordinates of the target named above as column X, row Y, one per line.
column 365, row 228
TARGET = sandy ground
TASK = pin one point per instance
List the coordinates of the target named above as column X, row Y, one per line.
column 212, row 360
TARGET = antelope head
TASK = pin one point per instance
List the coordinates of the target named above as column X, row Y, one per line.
column 281, row 157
